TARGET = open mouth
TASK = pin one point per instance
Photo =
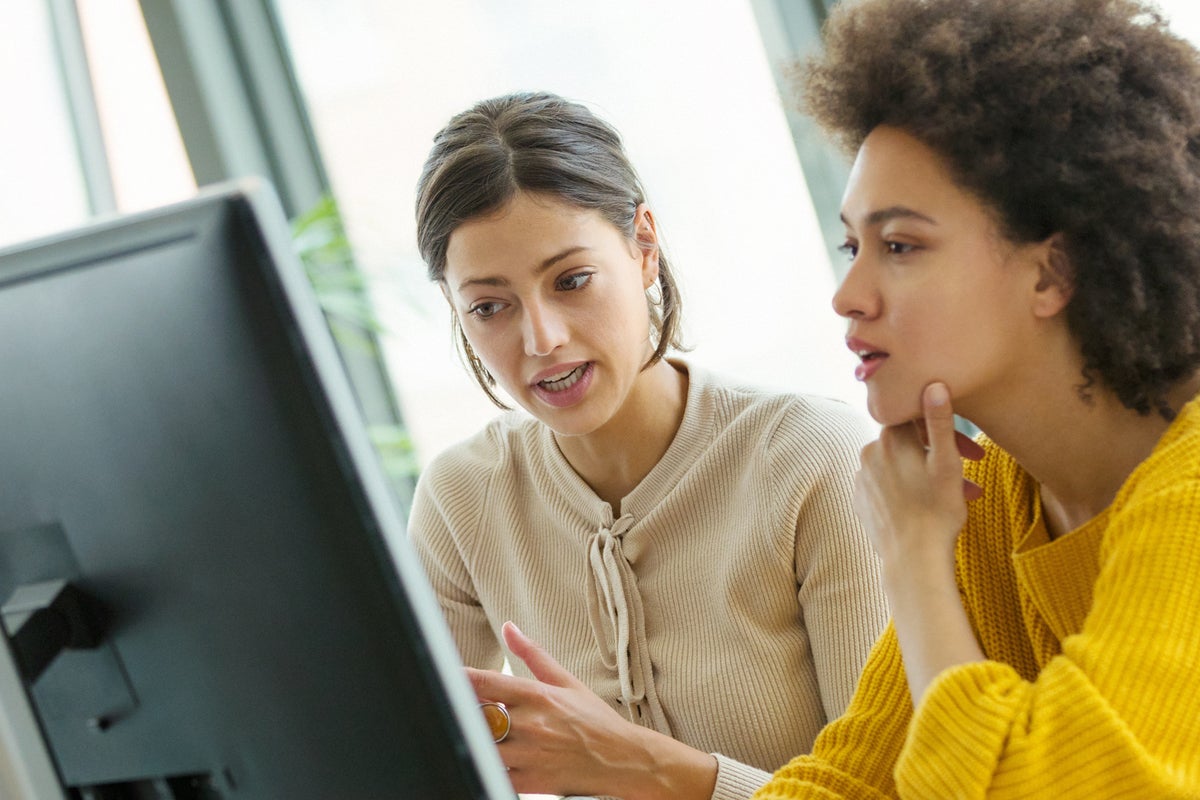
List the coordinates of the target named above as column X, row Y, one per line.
column 560, row 383
column 870, row 359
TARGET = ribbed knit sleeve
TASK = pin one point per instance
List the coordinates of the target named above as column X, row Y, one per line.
column 854, row 755
column 735, row 780
column 1117, row 714
column 837, row 570
column 811, row 456
column 447, row 505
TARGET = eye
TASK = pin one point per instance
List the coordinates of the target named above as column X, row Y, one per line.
column 898, row 248
column 485, row 310
column 850, row 249
column 572, row 282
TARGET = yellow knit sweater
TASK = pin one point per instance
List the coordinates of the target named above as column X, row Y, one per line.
column 1092, row 687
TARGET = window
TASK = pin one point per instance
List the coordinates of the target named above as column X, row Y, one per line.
column 41, row 186
column 690, row 90
column 97, row 133
column 694, row 97
column 145, row 152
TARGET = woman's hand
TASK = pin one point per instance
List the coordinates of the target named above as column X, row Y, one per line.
column 912, row 498
column 563, row 739
column 910, row 493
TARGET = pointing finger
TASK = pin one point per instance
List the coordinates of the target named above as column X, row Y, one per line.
column 540, row 663
column 939, row 427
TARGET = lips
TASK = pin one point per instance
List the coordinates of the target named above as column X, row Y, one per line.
column 563, row 385
column 556, row 375
column 563, row 380
column 872, row 358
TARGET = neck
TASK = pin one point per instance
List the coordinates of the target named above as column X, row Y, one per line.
column 615, row 458
column 1079, row 452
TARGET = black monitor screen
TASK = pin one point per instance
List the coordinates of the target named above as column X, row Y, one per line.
column 205, row 578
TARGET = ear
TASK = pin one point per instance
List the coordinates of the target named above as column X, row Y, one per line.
column 645, row 234
column 1055, row 277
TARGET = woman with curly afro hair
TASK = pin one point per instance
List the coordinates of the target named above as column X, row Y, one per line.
column 1023, row 224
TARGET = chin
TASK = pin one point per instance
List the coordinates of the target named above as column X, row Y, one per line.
column 564, row 422
column 889, row 414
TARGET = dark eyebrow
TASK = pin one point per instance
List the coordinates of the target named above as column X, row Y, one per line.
column 892, row 212
column 545, row 265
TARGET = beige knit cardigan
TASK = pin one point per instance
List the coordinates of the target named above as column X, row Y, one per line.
column 729, row 603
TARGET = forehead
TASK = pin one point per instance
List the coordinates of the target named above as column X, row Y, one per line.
column 523, row 232
column 894, row 169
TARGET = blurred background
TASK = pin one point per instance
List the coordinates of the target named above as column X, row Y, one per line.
column 121, row 105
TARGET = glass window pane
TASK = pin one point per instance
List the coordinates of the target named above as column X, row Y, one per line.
column 145, row 151
column 41, row 185
column 693, row 94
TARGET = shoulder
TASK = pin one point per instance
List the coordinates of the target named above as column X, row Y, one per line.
column 1175, row 461
column 1150, row 536
column 785, row 424
column 469, row 466
column 454, row 490
column 1163, row 493
column 827, row 419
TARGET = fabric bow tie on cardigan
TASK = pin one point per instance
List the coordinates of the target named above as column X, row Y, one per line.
column 615, row 611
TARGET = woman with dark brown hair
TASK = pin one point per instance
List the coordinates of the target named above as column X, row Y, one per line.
column 683, row 546
column 1023, row 224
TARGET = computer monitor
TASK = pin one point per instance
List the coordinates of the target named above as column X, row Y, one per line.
column 204, row 575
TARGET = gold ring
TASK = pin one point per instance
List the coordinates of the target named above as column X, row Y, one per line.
column 497, row 719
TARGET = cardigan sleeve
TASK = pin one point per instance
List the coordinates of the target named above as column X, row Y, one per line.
column 1118, row 711
column 839, row 588
column 440, row 526
column 735, row 780
column 854, row 756
column 839, row 585
column 812, row 454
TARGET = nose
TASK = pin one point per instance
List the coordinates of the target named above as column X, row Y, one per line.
column 544, row 329
column 856, row 298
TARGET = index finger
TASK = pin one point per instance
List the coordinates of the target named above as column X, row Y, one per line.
column 490, row 685
column 939, row 428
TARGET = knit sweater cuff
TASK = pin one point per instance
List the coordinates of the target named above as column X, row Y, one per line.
column 959, row 730
column 736, row 781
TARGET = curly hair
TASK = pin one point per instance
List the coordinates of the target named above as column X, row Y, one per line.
column 1075, row 117
column 534, row 142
